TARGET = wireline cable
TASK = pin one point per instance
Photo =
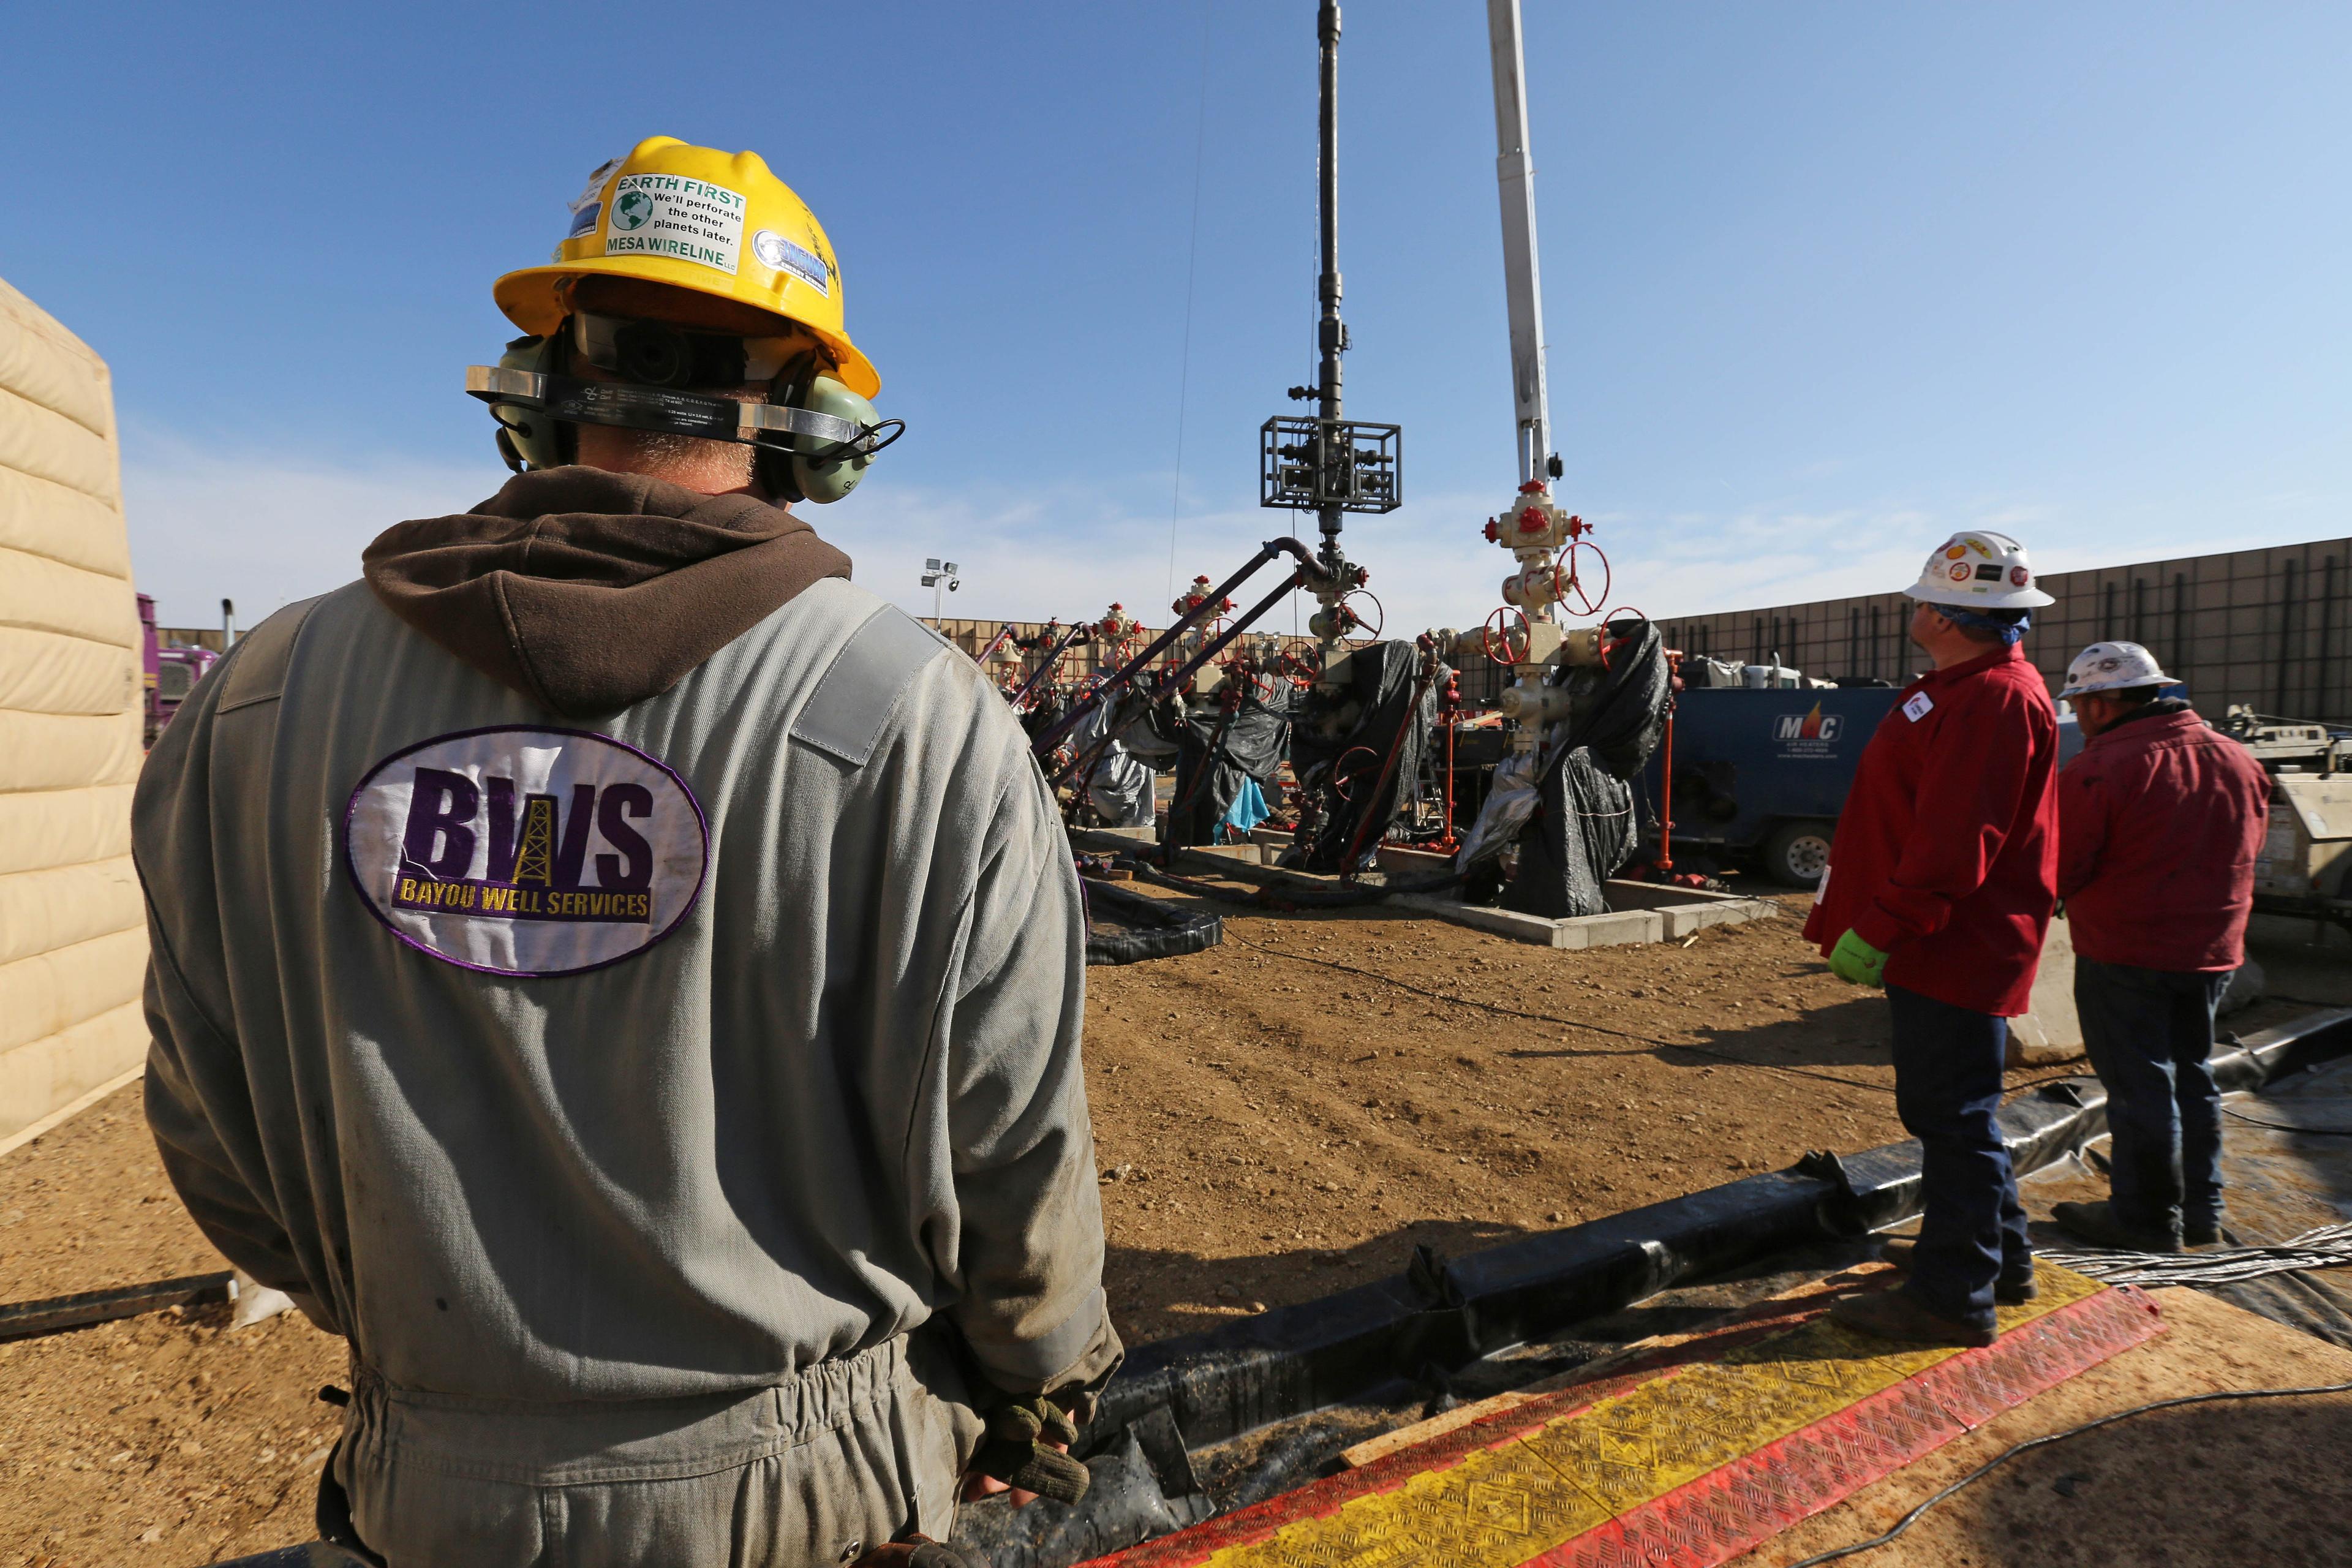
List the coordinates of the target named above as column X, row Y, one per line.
column 1191, row 260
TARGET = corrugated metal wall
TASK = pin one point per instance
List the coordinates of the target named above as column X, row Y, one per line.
column 73, row 931
column 2267, row 628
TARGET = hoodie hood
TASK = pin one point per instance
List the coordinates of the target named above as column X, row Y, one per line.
column 588, row 591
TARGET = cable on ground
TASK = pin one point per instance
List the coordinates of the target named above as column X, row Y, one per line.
column 2289, row 1126
column 1565, row 1023
column 2328, row 1247
column 1908, row 1520
column 1190, row 885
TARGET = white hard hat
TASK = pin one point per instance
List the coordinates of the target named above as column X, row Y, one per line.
column 2113, row 666
column 1979, row 570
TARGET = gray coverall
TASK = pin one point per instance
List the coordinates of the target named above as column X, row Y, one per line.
column 676, row 1113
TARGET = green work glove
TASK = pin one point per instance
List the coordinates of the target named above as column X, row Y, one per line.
column 1019, row 1449
column 1857, row 963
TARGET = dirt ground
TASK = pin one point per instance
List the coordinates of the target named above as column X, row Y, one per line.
column 1286, row 1098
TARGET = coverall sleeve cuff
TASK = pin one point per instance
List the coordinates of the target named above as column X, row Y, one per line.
column 1874, row 927
column 1050, row 1360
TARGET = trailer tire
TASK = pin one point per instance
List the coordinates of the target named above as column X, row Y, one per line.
column 1797, row 853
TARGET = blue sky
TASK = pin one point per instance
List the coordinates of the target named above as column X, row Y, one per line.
column 1822, row 282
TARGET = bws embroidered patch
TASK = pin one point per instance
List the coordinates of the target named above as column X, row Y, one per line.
column 526, row 851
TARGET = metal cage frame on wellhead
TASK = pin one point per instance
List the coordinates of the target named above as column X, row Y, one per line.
column 1309, row 464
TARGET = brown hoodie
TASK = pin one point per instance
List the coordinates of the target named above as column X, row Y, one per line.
column 588, row 591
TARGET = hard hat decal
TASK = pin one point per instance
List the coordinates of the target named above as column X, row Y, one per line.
column 586, row 207
column 2019, row 576
column 674, row 216
column 526, row 851
column 1960, row 570
column 781, row 254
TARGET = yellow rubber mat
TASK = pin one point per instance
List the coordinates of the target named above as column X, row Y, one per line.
column 1536, row 1484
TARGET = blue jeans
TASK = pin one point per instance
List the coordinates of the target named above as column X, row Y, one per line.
column 2149, row 1033
column 1948, row 1066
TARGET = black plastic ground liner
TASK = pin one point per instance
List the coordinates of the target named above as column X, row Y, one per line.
column 1292, row 1361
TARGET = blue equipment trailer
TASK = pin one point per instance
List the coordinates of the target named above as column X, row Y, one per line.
column 1763, row 774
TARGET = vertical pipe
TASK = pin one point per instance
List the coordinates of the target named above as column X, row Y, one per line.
column 2139, row 611
column 2180, row 625
column 2327, row 636
column 2286, row 625
column 1666, row 775
column 2107, row 614
column 1332, row 337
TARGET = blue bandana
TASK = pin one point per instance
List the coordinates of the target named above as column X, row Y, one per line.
column 2010, row 631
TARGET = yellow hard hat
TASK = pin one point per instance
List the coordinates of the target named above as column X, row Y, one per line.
column 695, row 218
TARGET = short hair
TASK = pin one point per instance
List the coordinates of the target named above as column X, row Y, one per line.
column 2132, row 695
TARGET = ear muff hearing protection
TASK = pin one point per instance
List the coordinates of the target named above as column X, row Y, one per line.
column 815, row 438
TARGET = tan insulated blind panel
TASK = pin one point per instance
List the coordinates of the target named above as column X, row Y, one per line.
column 73, row 939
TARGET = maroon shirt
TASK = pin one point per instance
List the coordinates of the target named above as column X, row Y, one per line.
column 2159, row 820
column 1947, row 854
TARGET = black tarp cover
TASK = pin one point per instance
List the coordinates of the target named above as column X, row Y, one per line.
column 1215, row 751
column 1124, row 926
column 1583, row 830
column 1376, row 700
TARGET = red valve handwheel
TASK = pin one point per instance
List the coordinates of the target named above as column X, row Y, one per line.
column 1496, row 638
column 1344, row 777
column 1576, row 589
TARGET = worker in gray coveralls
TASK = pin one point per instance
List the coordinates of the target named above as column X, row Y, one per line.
column 627, row 981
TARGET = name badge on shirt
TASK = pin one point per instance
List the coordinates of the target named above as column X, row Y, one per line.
column 1917, row 708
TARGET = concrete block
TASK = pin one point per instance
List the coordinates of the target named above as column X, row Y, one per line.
column 1681, row 919
column 1477, row 917
column 1611, row 929
column 2050, row 1031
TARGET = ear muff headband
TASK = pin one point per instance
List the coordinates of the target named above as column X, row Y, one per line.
column 815, row 438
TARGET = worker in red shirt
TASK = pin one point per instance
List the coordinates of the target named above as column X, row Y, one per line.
column 2159, row 820
column 1941, row 880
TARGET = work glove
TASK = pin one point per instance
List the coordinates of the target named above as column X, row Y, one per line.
column 1018, row 1450
column 914, row 1551
column 1857, row 963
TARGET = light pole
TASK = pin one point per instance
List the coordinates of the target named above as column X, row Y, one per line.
column 936, row 572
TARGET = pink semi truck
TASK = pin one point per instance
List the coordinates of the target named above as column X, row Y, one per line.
column 170, row 673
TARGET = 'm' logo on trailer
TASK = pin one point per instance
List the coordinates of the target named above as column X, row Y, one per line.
column 1814, row 726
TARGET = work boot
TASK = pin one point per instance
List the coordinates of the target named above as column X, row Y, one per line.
column 2010, row 1289
column 1894, row 1315
column 2199, row 1232
column 2099, row 1224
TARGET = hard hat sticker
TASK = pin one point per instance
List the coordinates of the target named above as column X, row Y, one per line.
column 781, row 255
column 526, row 851
column 674, row 216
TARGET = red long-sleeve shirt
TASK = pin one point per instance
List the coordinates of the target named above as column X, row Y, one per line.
column 2160, row 821
column 1946, row 855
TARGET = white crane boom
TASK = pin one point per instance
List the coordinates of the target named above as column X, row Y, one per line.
column 1522, row 280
